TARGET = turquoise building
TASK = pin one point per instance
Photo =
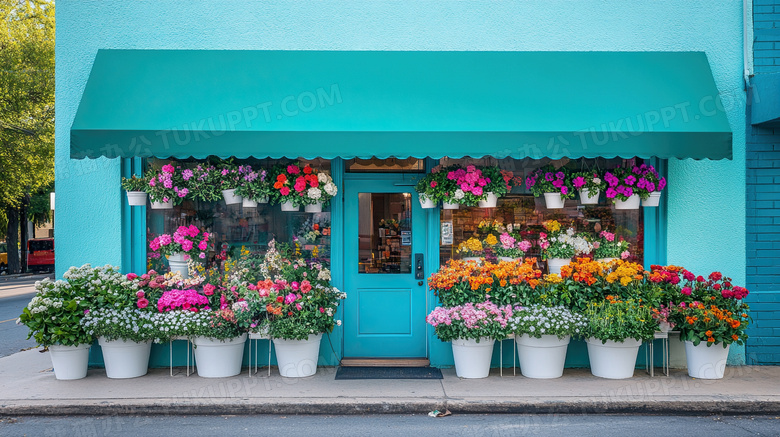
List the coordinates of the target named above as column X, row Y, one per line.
column 381, row 92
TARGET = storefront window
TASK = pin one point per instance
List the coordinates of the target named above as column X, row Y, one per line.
column 385, row 228
column 390, row 165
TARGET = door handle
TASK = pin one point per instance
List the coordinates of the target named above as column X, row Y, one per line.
column 419, row 266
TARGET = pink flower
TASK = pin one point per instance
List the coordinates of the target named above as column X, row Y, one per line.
column 542, row 235
column 305, row 287
column 686, row 291
column 203, row 245
column 293, row 169
column 477, row 191
column 168, row 168
column 433, row 184
column 322, row 310
column 284, row 190
column 294, row 285
column 131, row 276
column 290, row 298
column 625, row 254
column 208, row 289
column 139, row 294
column 298, row 306
column 186, row 245
column 142, row 303
column 202, row 255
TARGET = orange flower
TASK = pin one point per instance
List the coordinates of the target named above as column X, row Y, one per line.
column 708, row 333
column 734, row 337
column 710, row 340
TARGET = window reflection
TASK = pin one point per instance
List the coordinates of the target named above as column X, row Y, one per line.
column 385, row 233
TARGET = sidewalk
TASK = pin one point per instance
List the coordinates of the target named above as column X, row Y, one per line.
column 28, row 387
column 17, row 285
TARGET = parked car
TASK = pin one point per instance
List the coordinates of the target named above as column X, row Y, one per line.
column 3, row 258
column 40, row 254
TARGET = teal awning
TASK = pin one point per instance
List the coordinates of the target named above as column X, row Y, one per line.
column 183, row 103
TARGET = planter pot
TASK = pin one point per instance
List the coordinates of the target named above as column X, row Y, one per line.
column 289, row 207
column 125, row 359
column 69, row 362
column 664, row 327
column 262, row 334
column 447, row 205
column 589, row 198
column 472, row 359
column 263, row 199
column 490, row 202
column 230, row 197
column 553, row 200
column 631, row 203
column 508, row 259
column 476, row 259
column 248, row 203
column 426, row 203
column 136, row 198
column 316, row 207
column 554, row 264
column 653, row 200
column 606, row 260
column 542, row 358
column 162, row 205
column 177, row 263
column 706, row 362
column 613, row 360
column 298, row 358
column 219, row 358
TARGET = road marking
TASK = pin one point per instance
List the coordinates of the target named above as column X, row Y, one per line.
column 9, row 320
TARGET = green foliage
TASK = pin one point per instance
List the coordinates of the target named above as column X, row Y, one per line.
column 618, row 320
column 54, row 314
column 135, row 183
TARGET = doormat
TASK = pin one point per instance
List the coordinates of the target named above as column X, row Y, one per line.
column 388, row 373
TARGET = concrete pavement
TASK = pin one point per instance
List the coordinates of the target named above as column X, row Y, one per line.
column 28, row 387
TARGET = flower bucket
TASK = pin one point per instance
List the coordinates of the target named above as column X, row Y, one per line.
column 553, row 200
column 508, row 259
column 426, row 202
column 653, row 200
column 605, row 260
column 472, row 359
column 476, row 259
column 448, row 205
column 230, row 197
column 706, row 362
column 69, row 362
column 554, row 265
column 298, row 358
column 613, row 360
column 631, row 203
column 162, row 205
column 542, row 358
column 289, row 207
column 589, row 198
column 177, row 263
column 125, row 359
column 490, row 202
column 248, row 203
column 136, row 198
column 219, row 358
column 664, row 327
column 316, row 207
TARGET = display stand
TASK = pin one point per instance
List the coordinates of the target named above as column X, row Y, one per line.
column 501, row 355
column 650, row 353
column 170, row 354
column 253, row 337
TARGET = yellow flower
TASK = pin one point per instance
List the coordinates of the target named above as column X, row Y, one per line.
column 491, row 240
column 552, row 225
column 553, row 278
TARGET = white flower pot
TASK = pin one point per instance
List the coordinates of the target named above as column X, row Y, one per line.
column 289, row 207
column 605, row 260
column 490, row 202
column 219, row 358
column 162, row 205
column 298, row 358
column 125, row 359
column 262, row 334
column 631, row 203
column 476, row 259
column 136, row 198
column 69, row 362
column 554, row 264
column 316, row 207
column 263, row 199
column 589, row 198
column 472, row 359
column 248, row 203
column 613, row 360
column 542, row 358
column 426, row 202
column 706, row 362
column 664, row 327
column 230, row 197
column 177, row 263
column 653, row 200
column 448, row 205
column 508, row 259
column 553, row 200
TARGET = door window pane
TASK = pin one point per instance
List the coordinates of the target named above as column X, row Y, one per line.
column 385, row 233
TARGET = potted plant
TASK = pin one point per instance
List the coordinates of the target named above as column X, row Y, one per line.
column 219, row 344
column 203, row 181
column 53, row 317
column 616, row 329
column 188, row 242
column 607, row 248
column 542, row 335
column 288, row 187
column 510, row 247
column 320, row 191
column 254, row 187
column 473, row 183
column 434, row 187
column 622, row 189
column 472, row 330
column 589, row 184
column 135, row 187
column 498, row 184
column 166, row 187
column 649, row 185
column 554, row 184
column 229, row 178
column 559, row 247
column 471, row 250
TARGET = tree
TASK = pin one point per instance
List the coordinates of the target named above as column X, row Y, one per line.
column 26, row 110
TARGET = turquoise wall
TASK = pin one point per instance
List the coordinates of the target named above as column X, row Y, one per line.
column 706, row 199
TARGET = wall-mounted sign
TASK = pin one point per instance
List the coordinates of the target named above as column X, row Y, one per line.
column 446, row 233
column 406, row 238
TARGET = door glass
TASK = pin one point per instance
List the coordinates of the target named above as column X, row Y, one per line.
column 385, row 233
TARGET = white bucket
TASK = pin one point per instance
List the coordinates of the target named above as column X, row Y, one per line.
column 508, row 258
column 316, row 207
column 588, row 198
column 230, row 197
column 125, row 359
column 289, row 207
column 613, row 360
column 298, row 358
column 69, row 362
column 653, row 200
column 136, row 198
column 162, row 205
column 490, row 202
column 448, row 205
column 706, row 362
column 554, row 265
column 631, row 203
column 219, row 358
column 177, row 263
column 472, row 359
column 426, row 203
column 553, row 200
column 542, row 358
column 248, row 203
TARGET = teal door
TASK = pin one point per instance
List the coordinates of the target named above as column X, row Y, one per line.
column 384, row 245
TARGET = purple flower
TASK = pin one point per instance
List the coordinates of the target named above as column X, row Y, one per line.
column 611, row 193
column 560, row 175
column 564, row 190
column 579, row 182
column 186, row 174
column 548, row 177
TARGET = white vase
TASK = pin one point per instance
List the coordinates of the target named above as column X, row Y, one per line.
column 490, row 201
column 706, row 362
column 508, row 259
column 448, row 205
column 472, row 359
column 230, row 197
column 589, row 198
column 653, row 200
column 542, row 358
column 248, row 203
column 613, row 359
column 69, row 362
column 605, row 260
column 136, row 198
column 219, row 358
column 316, row 207
column 553, row 200
column 125, row 359
column 475, row 259
column 298, row 358
column 554, row 264
column 426, row 202
column 162, row 205
column 177, row 263
column 289, row 207
column 631, row 203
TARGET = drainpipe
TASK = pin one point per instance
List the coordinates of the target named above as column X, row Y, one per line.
column 747, row 41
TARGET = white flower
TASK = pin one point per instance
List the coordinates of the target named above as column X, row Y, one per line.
column 331, row 189
column 459, row 194
column 314, row 193
column 322, row 177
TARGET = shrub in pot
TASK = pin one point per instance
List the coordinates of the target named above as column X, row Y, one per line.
column 589, row 184
column 559, row 246
column 552, row 183
column 186, row 243
column 125, row 336
column 136, row 190
column 166, row 187
column 253, row 185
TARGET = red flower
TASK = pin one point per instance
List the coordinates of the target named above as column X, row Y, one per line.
column 281, row 178
column 280, row 299
column 433, row 184
column 700, row 278
column 716, row 276
column 307, row 169
column 293, row 169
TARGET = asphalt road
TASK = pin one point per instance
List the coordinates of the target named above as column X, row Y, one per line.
column 391, row 425
column 14, row 296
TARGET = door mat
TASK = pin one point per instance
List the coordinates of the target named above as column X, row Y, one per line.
column 388, row 373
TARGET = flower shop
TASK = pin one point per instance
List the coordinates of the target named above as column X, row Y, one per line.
column 333, row 226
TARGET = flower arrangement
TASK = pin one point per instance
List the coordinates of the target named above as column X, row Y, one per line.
column 511, row 246
column 300, row 185
column 538, row 320
column 562, row 244
column 228, row 177
column 135, row 183
column 618, row 320
column 129, row 324
column 649, row 180
column 548, row 179
column 713, row 324
column 189, row 240
column 608, row 247
column 104, row 287
column 473, row 183
column 587, row 180
column 253, row 183
column 498, row 182
column 204, row 181
column 435, row 186
column 54, row 314
column 459, row 282
column 621, row 184
column 470, row 321
column 166, row 185
column 471, row 248
column 214, row 324
column 184, row 300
